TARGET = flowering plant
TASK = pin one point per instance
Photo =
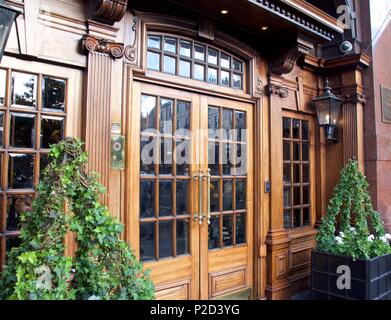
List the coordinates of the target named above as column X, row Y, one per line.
column 361, row 233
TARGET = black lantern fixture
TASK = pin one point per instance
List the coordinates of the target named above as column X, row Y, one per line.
column 7, row 17
column 328, row 108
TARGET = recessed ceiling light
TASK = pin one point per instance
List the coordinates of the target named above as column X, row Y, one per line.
column 264, row 28
column 224, row 11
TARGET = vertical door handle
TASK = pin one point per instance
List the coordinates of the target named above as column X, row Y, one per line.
column 208, row 198
column 198, row 217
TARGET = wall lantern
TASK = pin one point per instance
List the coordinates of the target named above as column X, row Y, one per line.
column 328, row 108
column 7, row 17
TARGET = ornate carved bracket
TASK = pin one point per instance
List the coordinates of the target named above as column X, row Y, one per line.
column 113, row 49
column 357, row 98
column 108, row 11
column 286, row 61
column 272, row 89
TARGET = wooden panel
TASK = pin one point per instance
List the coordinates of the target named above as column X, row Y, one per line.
column 227, row 281
column 281, row 263
column 174, row 291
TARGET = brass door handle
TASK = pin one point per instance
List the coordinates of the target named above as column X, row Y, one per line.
column 198, row 217
column 208, row 197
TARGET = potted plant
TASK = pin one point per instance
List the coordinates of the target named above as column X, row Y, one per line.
column 352, row 260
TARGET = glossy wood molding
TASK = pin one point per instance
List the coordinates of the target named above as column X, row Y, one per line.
column 109, row 11
column 113, row 49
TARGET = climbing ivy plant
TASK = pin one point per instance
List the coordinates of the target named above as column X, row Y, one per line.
column 361, row 232
column 103, row 266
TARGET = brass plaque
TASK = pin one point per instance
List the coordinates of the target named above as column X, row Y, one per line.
column 386, row 103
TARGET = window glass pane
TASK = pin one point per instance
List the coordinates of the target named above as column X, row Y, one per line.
column 169, row 64
column 148, row 112
column 296, row 173
column 286, row 128
column 225, row 61
column 147, row 199
column 1, row 129
column 237, row 81
column 212, row 75
column 165, row 239
column 154, row 42
column 199, row 72
column 296, row 151
column 3, row 81
column 147, row 241
column 165, row 198
column 296, row 196
column 306, row 151
column 165, row 166
column 20, row 171
column 212, row 56
column 305, row 130
column 182, row 153
column 287, row 150
column 52, row 131
column 227, row 195
column 306, row 173
column 24, row 89
column 214, row 233
column 225, row 78
column 153, row 61
column 240, row 228
column 170, row 45
column 22, row 130
column 237, row 65
column 199, row 52
column 287, row 173
column 185, row 50
column 306, row 216
column 306, row 195
column 240, row 194
column 182, row 197
column 213, row 158
column 184, row 68
column 227, row 230
column 287, row 219
column 183, row 116
column 43, row 162
column 287, row 197
column 147, row 162
column 166, row 110
column 16, row 205
column 182, row 237
column 214, row 196
column 296, row 218
column 296, row 129
column 12, row 242
column 53, row 93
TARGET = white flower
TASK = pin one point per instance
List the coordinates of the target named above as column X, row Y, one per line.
column 371, row 238
column 94, row 298
column 353, row 229
column 341, row 234
column 384, row 239
column 388, row 236
column 339, row 240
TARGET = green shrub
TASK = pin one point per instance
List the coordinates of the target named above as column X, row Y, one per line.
column 103, row 266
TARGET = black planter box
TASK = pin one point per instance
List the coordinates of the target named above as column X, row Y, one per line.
column 370, row 279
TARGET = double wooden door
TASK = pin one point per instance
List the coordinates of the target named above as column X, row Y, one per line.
column 190, row 201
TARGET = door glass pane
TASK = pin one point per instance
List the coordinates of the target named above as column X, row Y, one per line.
column 214, row 196
column 169, row 64
column 296, row 173
column 213, row 158
column 147, row 163
column 286, row 124
column 147, row 241
column 1, row 129
column 22, row 130
column 306, row 151
column 185, row 50
column 147, row 199
column 296, row 218
column 241, row 160
column 52, row 131
column 148, row 112
column 306, row 195
column 165, row 239
column 296, row 196
column 183, row 117
column 228, row 149
column 182, row 237
column 182, row 197
column 213, row 122
column 305, row 130
column 240, row 194
column 165, row 198
column 287, row 197
column 166, row 110
column 287, row 219
column 53, row 93
column 227, row 195
column 170, row 45
column 199, row 72
column 184, row 68
column 24, row 89
column 287, row 150
column 182, row 153
column 227, row 230
column 240, row 228
column 3, row 77
column 240, row 125
column 16, row 205
column 214, row 233
column 20, row 171
column 153, row 61
column 306, row 216
column 227, row 123
column 165, row 166
column 306, row 173
column 296, row 151
column 296, row 129
column 287, row 173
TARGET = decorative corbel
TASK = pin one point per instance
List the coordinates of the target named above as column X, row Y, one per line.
column 272, row 89
column 356, row 98
column 286, row 61
column 113, row 49
column 108, row 11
